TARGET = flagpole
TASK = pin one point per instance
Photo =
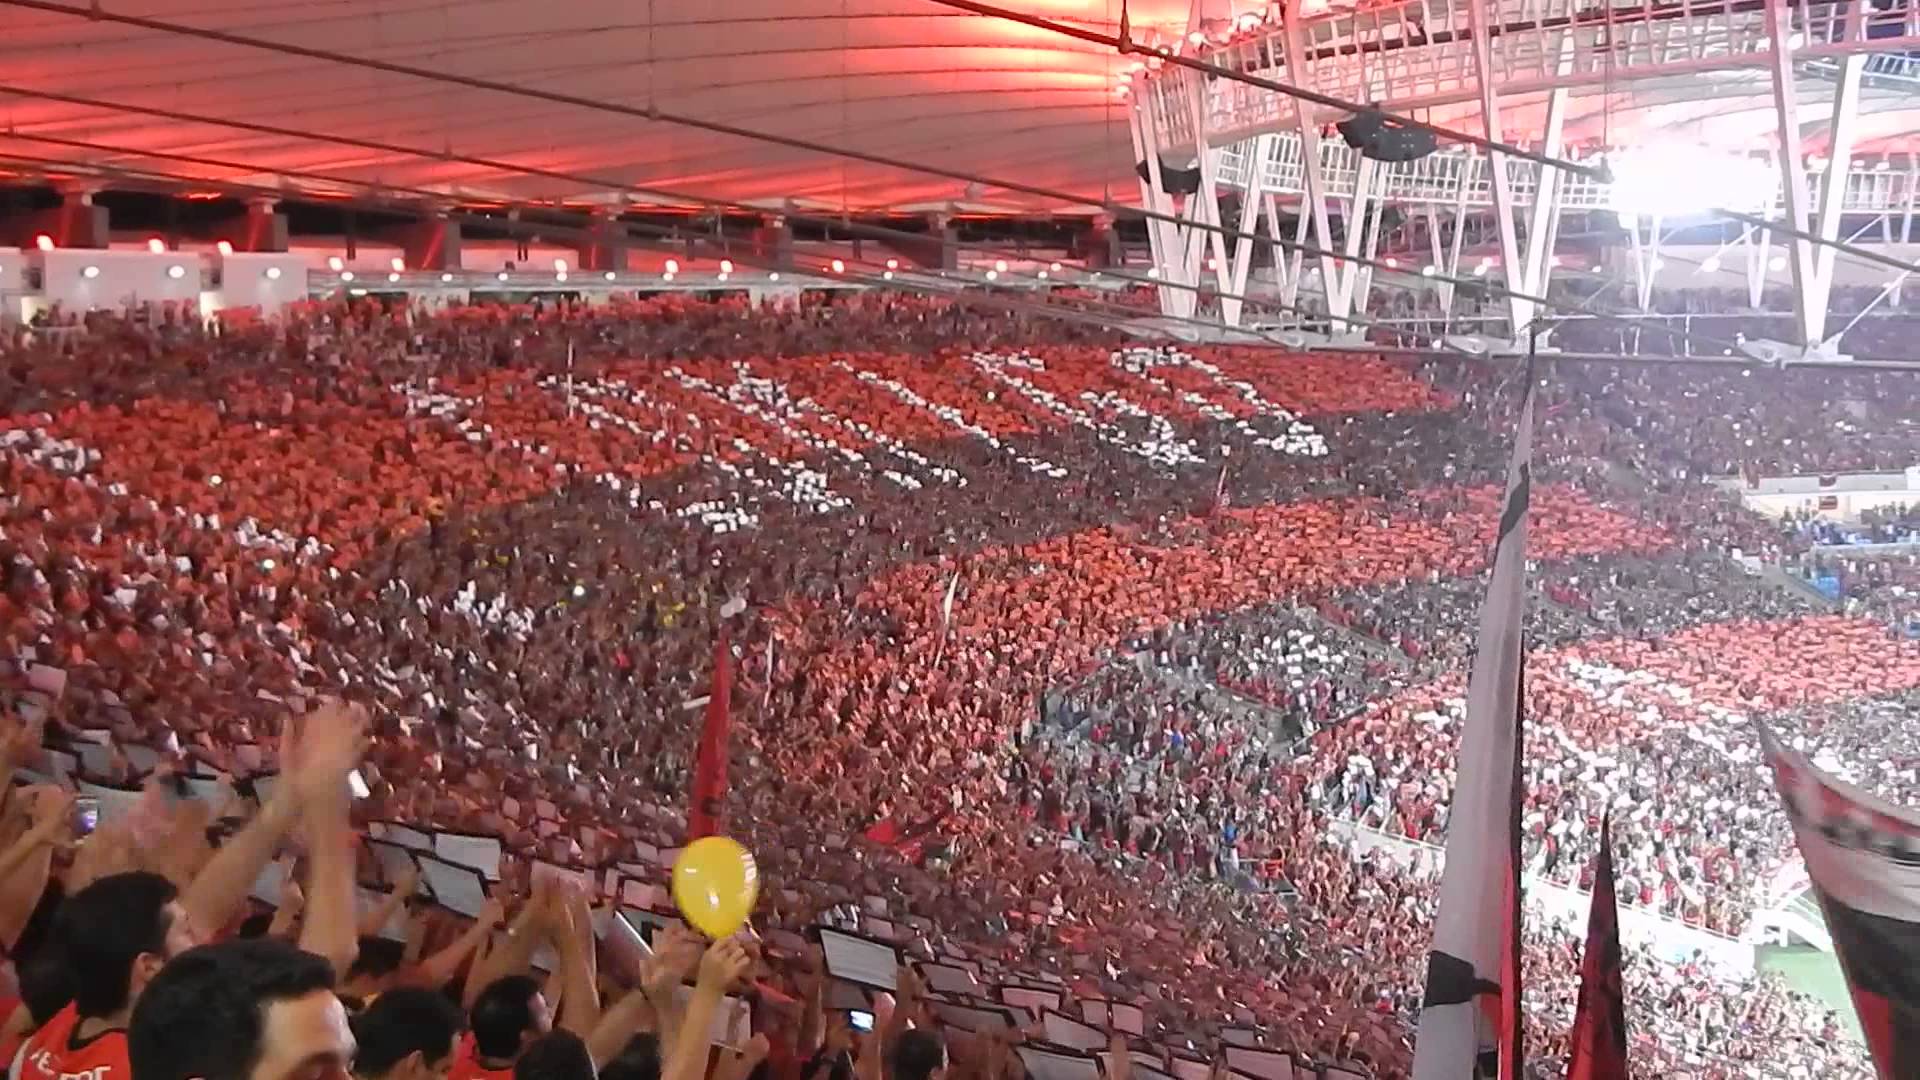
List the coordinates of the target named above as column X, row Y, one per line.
column 1470, row 1005
column 569, row 378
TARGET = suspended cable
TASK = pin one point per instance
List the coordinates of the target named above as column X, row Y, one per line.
column 1288, row 89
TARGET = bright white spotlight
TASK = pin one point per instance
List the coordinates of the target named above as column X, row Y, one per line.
column 396, row 264
column 839, row 267
column 393, row 276
column 893, row 264
column 335, row 263
column 559, row 266
column 1429, row 270
column 993, row 275
column 1000, row 265
column 445, row 277
column 886, row 275
column 176, row 271
column 1478, row 271
column 1710, row 264
column 1679, row 179
column 608, row 275
column 1042, row 275
column 224, row 247
column 668, row 276
column 1153, row 272
column 43, row 242
column 1055, row 267
column 157, row 246
column 773, row 275
column 726, row 266
column 502, row 275
column 90, row 272
column 346, row 275
column 1777, row 263
column 673, row 266
column 1392, row 263
column 273, row 273
column 560, row 275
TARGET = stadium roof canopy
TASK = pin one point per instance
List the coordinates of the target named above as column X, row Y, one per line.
column 149, row 87
column 902, row 78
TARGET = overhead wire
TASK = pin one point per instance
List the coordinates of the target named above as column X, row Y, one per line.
column 657, row 115
column 1308, row 250
column 995, row 299
column 1173, row 58
column 654, row 114
column 842, row 223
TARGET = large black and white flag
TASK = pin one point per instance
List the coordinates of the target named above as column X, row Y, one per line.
column 1863, row 857
column 1470, row 1011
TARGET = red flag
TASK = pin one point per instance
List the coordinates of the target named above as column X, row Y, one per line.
column 1600, row 1022
column 709, row 793
column 1860, row 853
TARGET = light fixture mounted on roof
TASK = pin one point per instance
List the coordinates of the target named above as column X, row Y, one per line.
column 1175, row 181
column 1385, row 138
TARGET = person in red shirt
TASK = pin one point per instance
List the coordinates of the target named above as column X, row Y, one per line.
column 507, row 1016
column 115, row 936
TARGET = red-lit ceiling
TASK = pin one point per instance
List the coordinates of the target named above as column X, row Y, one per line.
column 906, row 79
column 901, row 78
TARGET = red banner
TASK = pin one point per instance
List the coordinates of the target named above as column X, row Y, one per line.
column 1600, row 1020
column 706, row 802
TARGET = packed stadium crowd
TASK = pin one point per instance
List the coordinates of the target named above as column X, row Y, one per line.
column 1063, row 661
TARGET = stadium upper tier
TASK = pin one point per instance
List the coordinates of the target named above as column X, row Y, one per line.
column 1420, row 55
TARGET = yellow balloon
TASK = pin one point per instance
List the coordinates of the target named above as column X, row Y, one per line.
column 715, row 883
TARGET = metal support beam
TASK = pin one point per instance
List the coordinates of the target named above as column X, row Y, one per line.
column 1758, row 244
column 1833, row 185
column 1519, row 311
column 1809, row 323
column 1307, row 123
column 1162, row 234
column 1646, row 260
column 1251, row 198
column 1543, row 227
column 1207, row 158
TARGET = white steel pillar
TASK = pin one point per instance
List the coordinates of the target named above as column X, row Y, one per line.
column 1803, row 257
column 1543, row 226
column 1759, row 246
column 1306, row 123
column 1646, row 260
column 1252, row 195
column 1207, row 210
column 1369, row 222
column 1833, row 186
column 1518, row 311
column 1162, row 235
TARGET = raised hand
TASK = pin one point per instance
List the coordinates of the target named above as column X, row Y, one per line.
column 492, row 913
column 726, row 962
column 329, row 743
column 676, row 952
column 51, row 813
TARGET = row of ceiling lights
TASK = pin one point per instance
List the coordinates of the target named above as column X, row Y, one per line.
column 668, row 271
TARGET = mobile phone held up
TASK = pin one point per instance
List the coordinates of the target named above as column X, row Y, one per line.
column 86, row 815
column 859, row 1020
